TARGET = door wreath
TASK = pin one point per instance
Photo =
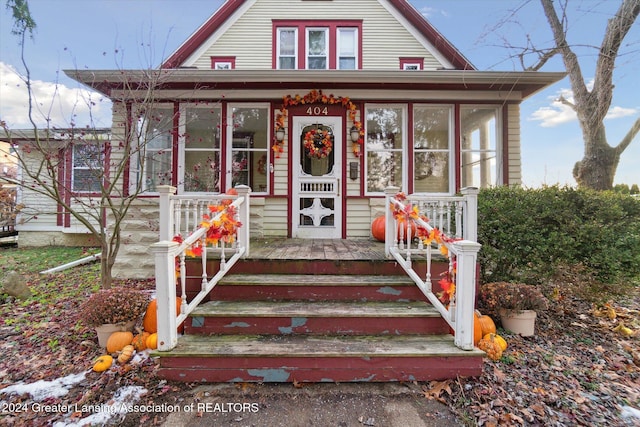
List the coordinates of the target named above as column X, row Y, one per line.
column 318, row 143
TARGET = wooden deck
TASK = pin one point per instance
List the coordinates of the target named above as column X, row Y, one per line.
column 317, row 249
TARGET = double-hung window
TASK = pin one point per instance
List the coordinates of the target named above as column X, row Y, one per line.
column 384, row 147
column 479, row 134
column 347, row 48
column 153, row 148
column 317, row 48
column 88, row 167
column 200, row 136
column 432, row 145
column 287, row 48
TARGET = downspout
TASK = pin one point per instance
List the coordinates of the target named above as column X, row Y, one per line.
column 75, row 263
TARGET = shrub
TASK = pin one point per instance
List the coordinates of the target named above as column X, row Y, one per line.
column 528, row 233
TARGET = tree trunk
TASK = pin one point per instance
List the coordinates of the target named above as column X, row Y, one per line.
column 597, row 168
column 106, row 263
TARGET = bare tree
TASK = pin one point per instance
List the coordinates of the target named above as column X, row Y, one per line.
column 598, row 166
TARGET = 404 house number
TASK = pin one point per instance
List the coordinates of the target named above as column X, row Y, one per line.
column 317, row 111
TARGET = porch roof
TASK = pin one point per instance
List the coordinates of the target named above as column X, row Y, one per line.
column 526, row 82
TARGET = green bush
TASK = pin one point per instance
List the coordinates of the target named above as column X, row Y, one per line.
column 527, row 234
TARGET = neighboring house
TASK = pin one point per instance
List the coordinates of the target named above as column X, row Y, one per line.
column 318, row 106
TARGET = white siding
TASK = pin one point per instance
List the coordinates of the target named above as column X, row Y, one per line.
column 358, row 217
column 515, row 151
column 275, row 217
column 249, row 39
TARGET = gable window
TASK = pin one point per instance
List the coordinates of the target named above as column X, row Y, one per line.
column 347, row 48
column 249, row 154
column 223, row 62
column 317, row 52
column 317, row 45
column 200, row 136
column 432, row 145
column 88, row 168
column 287, row 48
column 411, row 64
column 384, row 147
column 479, row 133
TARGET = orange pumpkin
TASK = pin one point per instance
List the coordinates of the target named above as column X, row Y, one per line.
column 152, row 341
column 140, row 341
column 378, row 227
column 231, row 192
column 487, row 324
column 118, row 340
column 150, row 320
column 477, row 329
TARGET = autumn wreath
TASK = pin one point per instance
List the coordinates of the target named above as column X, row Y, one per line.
column 318, row 143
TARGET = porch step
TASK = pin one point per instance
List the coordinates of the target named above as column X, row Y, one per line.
column 307, row 358
column 278, row 287
column 303, row 317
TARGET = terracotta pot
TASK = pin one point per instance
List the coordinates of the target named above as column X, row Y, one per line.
column 519, row 322
column 105, row 331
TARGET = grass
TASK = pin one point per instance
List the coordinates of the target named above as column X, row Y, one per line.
column 34, row 260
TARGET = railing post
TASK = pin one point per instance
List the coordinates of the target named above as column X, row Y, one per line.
column 244, row 215
column 164, row 253
column 470, row 218
column 466, row 256
column 166, row 211
column 389, row 225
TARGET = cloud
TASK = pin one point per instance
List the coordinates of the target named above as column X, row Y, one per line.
column 54, row 104
column 558, row 113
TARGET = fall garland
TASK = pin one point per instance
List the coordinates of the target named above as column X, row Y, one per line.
column 317, row 97
column 318, row 143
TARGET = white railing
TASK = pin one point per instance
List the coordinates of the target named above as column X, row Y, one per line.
column 456, row 218
column 184, row 216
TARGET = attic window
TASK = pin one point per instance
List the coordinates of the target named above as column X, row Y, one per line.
column 412, row 64
column 223, row 62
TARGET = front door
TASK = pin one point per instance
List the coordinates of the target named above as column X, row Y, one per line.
column 316, row 168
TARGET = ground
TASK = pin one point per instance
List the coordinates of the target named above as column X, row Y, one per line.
column 580, row 368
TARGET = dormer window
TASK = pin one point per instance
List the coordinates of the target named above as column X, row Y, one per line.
column 330, row 45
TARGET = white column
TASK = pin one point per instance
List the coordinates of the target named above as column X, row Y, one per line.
column 166, row 211
column 164, row 253
column 467, row 254
column 244, row 216
column 389, row 223
column 470, row 218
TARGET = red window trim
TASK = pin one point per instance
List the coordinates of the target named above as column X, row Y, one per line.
column 216, row 59
column 302, row 25
column 411, row 61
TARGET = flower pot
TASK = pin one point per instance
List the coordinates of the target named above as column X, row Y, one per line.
column 105, row 331
column 519, row 322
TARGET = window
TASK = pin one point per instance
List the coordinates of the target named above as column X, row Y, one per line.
column 479, row 131
column 287, row 47
column 223, row 62
column 384, row 147
column 153, row 153
column 432, row 142
column 249, row 154
column 317, row 52
column 347, row 48
column 201, row 130
column 88, row 167
column 411, row 64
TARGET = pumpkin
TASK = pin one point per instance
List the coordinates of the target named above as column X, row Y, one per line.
column 491, row 346
column 378, row 227
column 102, row 363
column 118, row 340
column 477, row 329
column 499, row 339
column 231, row 192
column 150, row 320
column 152, row 341
column 126, row 354
column 140, row 341
column 486, row 323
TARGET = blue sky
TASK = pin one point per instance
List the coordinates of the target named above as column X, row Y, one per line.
column 110, row 34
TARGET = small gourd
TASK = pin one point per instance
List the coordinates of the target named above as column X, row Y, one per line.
column 126, row 354
column 486, row 323
column 102, row 363
column 118, row 340
column 500, row 340
column 490, row 346
column 152, row 341
column 140, row 341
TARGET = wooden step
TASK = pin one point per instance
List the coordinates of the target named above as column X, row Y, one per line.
column 307, row 358
column 303, row 317
column 316, row 288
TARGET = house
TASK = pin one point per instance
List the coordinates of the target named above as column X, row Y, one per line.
column 318, row 107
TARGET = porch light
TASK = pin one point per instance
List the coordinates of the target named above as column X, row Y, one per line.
column 280, row 134
column 355, row 134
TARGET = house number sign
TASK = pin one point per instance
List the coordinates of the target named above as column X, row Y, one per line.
column 317, row 111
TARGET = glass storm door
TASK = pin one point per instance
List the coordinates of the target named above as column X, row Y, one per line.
column 316, row 169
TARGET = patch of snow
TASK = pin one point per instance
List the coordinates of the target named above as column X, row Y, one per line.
column 121, row 403
column 42, row 389
column 630, row 412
